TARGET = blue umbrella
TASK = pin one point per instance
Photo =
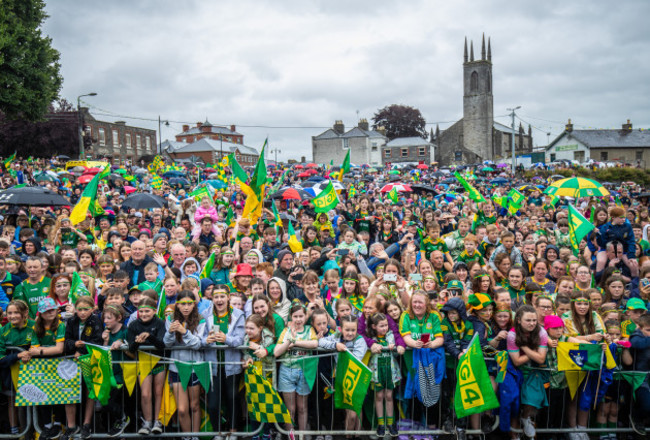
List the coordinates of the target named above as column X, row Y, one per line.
column 315, row 179
column 216, row 184
column 499, row 181
column 310, row 191
column 179, row 181
column 173, row 173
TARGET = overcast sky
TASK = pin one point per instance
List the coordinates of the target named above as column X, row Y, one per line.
column 289, row 69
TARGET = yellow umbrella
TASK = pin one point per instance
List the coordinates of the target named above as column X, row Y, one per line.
column 576, row 187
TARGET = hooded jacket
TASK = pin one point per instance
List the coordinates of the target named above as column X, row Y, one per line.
column 282, row 307
column 234, row 339
column 188, row 260
column 453, row 344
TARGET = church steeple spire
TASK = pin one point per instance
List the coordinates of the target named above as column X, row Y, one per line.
column 483, row 48
column 489, row 56
column 465, row 55
column 471, row 50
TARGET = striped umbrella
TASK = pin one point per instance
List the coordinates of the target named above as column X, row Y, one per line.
column 576, row 187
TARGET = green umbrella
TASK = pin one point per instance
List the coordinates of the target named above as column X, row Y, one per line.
column 488, row 169
column 394, row 172
column 121, row 171
column 44, row 177
column 576, row 187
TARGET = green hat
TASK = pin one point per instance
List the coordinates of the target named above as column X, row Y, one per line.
column 455, row 284
column 635, row 304
column 479, row 301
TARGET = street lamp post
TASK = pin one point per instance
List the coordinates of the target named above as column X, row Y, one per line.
column 160, row 134
column 514, row 164
column 276, row 151
column 81, row 128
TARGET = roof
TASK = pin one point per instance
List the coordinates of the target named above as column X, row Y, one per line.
column 171, row 146
column 412, row 141
column 504, row 128
column 608, row 138
column 354, row 132
column 206, row 144
column 329, row 134
column 213, row 129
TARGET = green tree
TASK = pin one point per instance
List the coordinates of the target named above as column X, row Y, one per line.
column 29, row 65
column 400, row 121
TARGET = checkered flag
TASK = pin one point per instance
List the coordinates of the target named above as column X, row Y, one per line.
column 263, row 401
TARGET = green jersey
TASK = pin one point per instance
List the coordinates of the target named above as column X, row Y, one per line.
column 32, row 294
column 427, row 246
column 50, row 338
column 11, row 336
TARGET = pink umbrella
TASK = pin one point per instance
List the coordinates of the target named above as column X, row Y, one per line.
column 399, row 187
column 422, row 167
column 85, row 178
column 129, row 189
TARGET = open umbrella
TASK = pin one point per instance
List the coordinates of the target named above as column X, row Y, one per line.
column 299, row 167
column 303, row 175
column 576, row 187
column 128, row 189
column 372, row 170
column 487, row 169
column 85, row 178
column 93, row 171
column 528, row 188
column 32, row 195
column 179, row 181
column 419, row 189
column 399, row 187
column 502, row 165
column 173, row 173
column 556, row 177
column 44, row 177
column 422, row 167
column 78, row 169
column 393, row 172
column 499, row 181
column 338, row 186
column 144, row 201
column 291, row 193
column 63, row 157
column 315, row 179
column 312, row 165
column 216, row 184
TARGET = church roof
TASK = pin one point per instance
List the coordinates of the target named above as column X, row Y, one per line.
column 213, row 129
column 412, row 141
column 503, row 128
column 608, row 138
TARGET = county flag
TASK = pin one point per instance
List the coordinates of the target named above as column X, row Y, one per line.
column 393, row 196
column 88, row 198
column 97, row 370
column 345, row 167
column 78, row 288
column 209, row 265
column 326, row 200
column 473, row 193
column 352, row 382
column 572, row 356
column 474, row 393
column 578, row 228
column 264, row 403
column 294, row 243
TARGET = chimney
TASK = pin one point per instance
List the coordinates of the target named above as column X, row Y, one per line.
column 381, row 129
column 233, row 128
column 339, row 127
column 627, row 127
column 185, row 127
column 363, row 124
column 568, row 127
column 198, row 124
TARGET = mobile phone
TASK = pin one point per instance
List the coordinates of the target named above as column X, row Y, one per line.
column 342, row 252
column 415, row 277
column 424, row 337
column 65, row 230
column 297, row 277
column 390, row 277
column 645, row 282
column 109, row 277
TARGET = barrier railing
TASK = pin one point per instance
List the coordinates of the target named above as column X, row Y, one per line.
column 428, row 421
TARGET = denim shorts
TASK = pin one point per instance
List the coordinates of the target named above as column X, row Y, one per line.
column 292, row 380
column 174, row 378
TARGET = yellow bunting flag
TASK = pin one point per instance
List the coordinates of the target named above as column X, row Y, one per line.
column 146, row 363
column 168, row 404
column 130, row 371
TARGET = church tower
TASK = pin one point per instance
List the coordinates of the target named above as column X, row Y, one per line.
column 478, row 107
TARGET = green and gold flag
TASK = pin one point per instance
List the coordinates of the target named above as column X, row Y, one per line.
column 579, row 227
column 352, row 382
column 237, row 171
column 97, row 370
column 326, row 200
column 88, row 199
column 10, row 159
column 156, row 181
column 474, row 393
column 77, row 289
column 473, row 193
column 345, row 167
column 264, row 403
column 44, row 381
column 207, row 269
column 393, row 196
column 294, row 243
column 583, row 357
column 255, row 191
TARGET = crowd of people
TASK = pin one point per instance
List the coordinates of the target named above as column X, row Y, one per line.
column 390, row 281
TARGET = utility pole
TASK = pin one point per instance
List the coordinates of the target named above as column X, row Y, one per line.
column 276, row 151
column 81, row 125
column 160, row 134
column 514, row 159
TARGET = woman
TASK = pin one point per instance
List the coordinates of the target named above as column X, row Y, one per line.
column 515, row 285
column 583, row 278
column 124, row 252
column 482, row 283
column 221, row 271
column 272, row 321
column 544, row 306
column 540, row 270
column 312, row 298
column 527, row 345
column 399, row 288
column 503, row 264
column 277, row 293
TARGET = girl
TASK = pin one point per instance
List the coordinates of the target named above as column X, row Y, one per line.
column 47, row 341
column 221, row 271
column 149, row 329
column 310, row 238
column 393, row 310
column 272, row 321
column 374, row 304
column 114, row 336
column 225, row 329
column 105, row 266
column 527, row 344
column 501, row 324
column 83, row 327
column 385, row 373
column 312, row 298
column 86, row 259
column 259, row 339
column 206, row 209
column 291, row 380
column 503, row 264
column 16, row 333
column 351, row 244
column 482, row 283
column 59, row 292
column 364, row 284
column 387, row 233
column 615, row 292
column 185, row 331
column 352, row 292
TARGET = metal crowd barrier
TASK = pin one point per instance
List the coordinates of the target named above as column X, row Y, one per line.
column 432, row 427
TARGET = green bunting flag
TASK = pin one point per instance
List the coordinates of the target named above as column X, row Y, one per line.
column 501, row 358
column 352, row 381
column 473, row 193
column 184, row 372
column 579, row 227
column 264, row 403
column 162, row 304
column 97, row 370
column 203, row 372
column 634, row 378
column 474, row 393
column 326, row 200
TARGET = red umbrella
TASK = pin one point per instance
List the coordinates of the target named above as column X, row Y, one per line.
column 85, row 178
column 299, row 167
column 128, row 189
column 399, row 187
column 92, row 171
column 291, row 194
column 311, row 171
column 422, row 167
column 311, row 165
column 305, row 174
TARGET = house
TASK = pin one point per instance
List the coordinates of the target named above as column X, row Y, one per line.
column 365, row 145
column 408, row 149
column 602, row 145
column 116, row 140
column 205, row 130
column 211, row 151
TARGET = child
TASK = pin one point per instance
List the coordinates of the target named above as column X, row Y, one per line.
column 81, row 328
column 343, row 308
column 331, row 283
column 347, row 339
column 270, row 247
column 634, row 310
column 491, row 239
column 16, row 333
column 640, row 348
column 385, row 373
column 554, row 327
column 190, row 269
column 291, row 379
column 393, row 309
column 185, row 331
column 224, row 264
column 470, row 253
column 205, row 209
column 149, row 329
column 433, row 242
column 151, row 276
column 562, row 305
column 114, row 336
column 352, row 292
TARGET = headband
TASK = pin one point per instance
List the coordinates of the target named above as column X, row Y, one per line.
column 186, row 301
column 481, row 275
column 113, row 308
column 228, row 252
column 584, row 300
column 533, row 292
column 502, row 310
column 350, row 279
column 146, row 307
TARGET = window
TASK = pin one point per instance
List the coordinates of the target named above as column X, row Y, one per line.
column 458, row 156
column 473, row 82
column 128, row 140
column 138, row 141
column 147, row 143
column 603, row 155
column 422, row 151
column 552, row 157
column 489, row 82
column 405, row 152
column 346, row 144
column 116, row 139
column 639, row 155
column 386, row 153
column 374, row 146
column 102, row 137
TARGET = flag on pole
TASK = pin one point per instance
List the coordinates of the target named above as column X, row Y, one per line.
column 326, row 200
column 255, row 191
column 474, row 393
column 264, row 403
column 237, row 171
column 351, row 384
column 207, row 269
column 345, row 167
column 277, row 221
column 473, row 193
column 294, row 243
column 77, row 288
column 156, row 181
column 97, row 370
column 10, row 159
column 573, row 356
column 579, row 227
column 162, row 304
column 88, row 198
column 393, row 196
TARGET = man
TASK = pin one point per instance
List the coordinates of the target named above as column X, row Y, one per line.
column 285, row 263
column 135, row 265
column 35, row 287
column 558, row 269
column 179, row 234
column 206, row 237
column 178, row 255
column 123, row 229
column 528, row 256
column 438, row 263
column 615, row 257
column 245, row 245
column 160, row 244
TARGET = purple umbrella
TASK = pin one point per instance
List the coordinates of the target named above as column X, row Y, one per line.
column 502, row 165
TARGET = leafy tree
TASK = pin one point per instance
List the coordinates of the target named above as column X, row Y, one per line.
column 400, row 121
column 29, row 66
column 55, row 134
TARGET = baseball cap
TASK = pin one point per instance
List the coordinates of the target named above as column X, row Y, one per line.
column 635, row 304
column 553, row 321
